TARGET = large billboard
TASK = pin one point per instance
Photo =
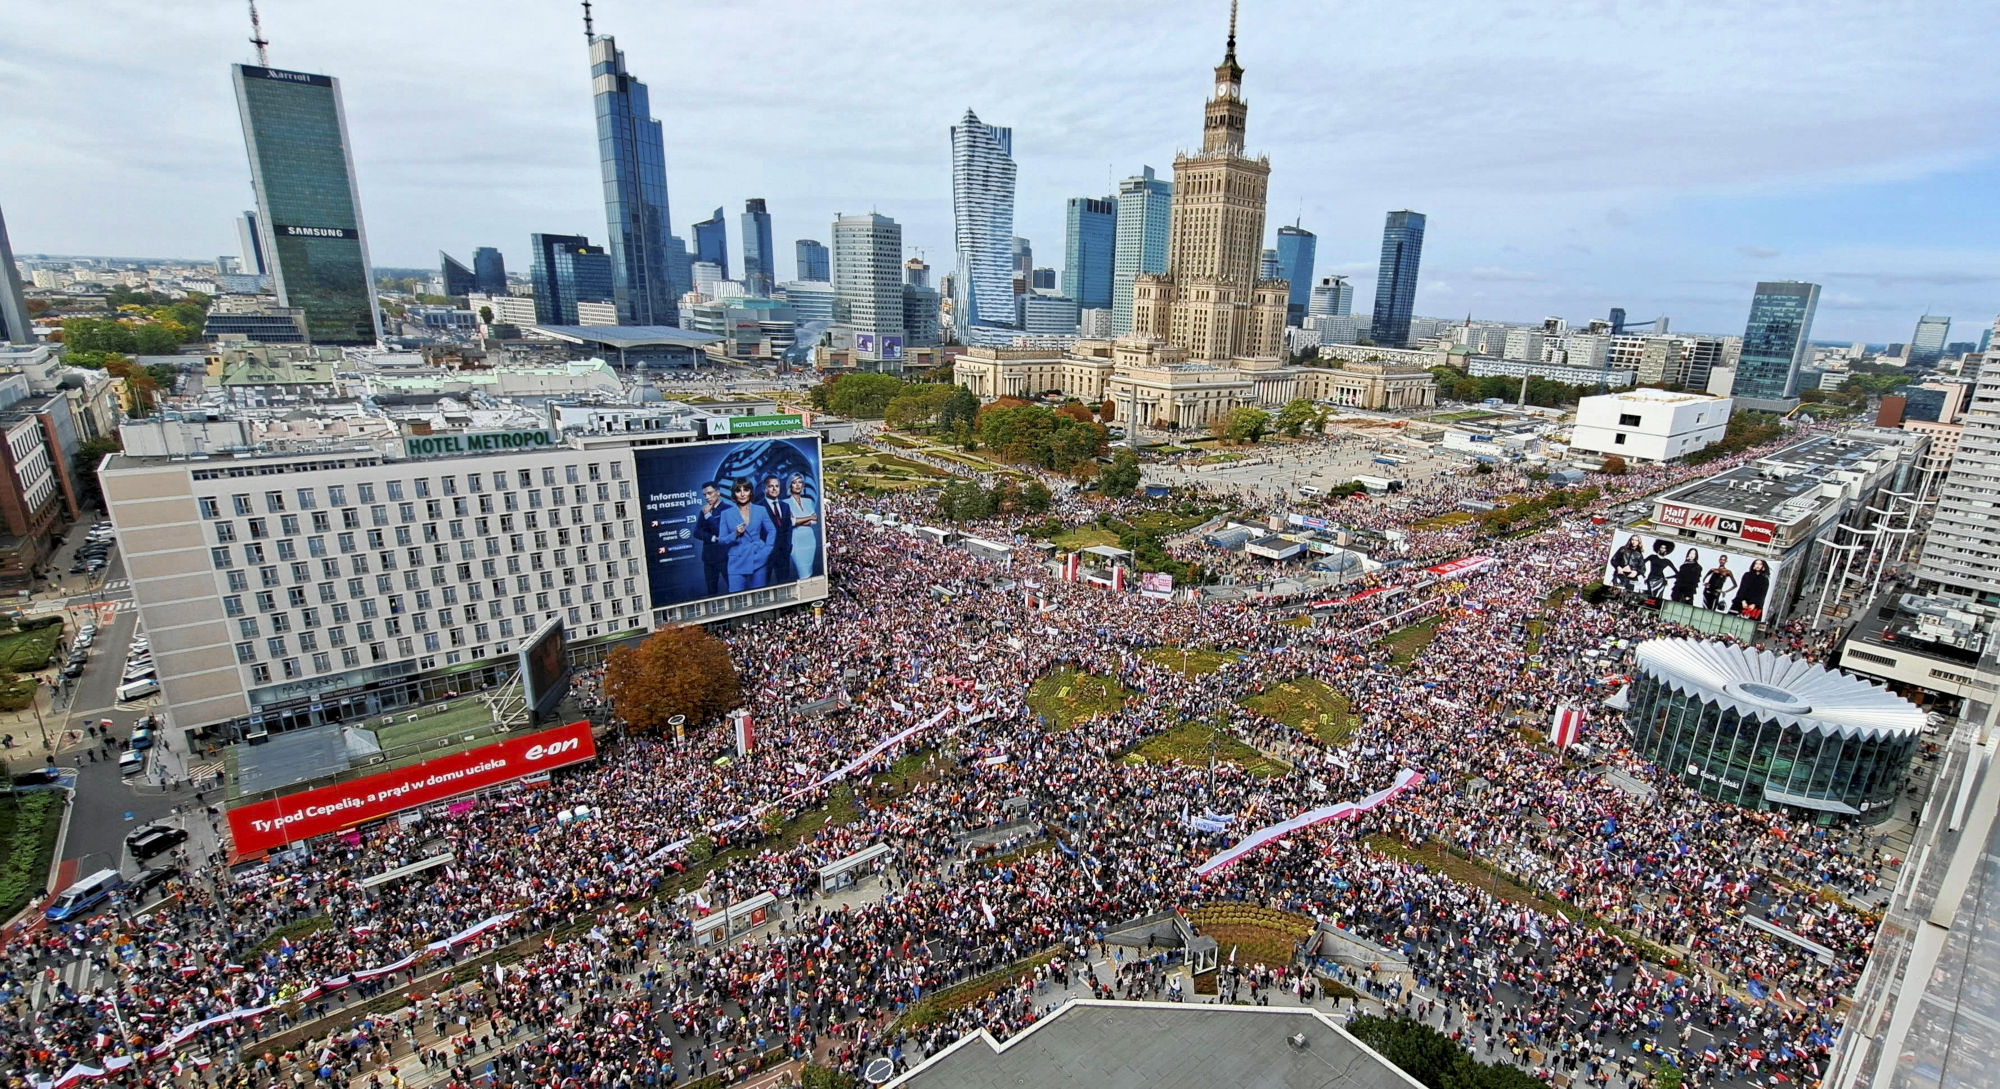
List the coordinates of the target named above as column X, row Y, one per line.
column 1702, row 577
column 296, row 818
column 726, row 517
column 545, row 667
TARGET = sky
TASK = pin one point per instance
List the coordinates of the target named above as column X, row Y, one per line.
column 1662, row 156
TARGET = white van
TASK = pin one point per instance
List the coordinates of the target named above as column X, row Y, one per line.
column 138, row 689
column 84, row 895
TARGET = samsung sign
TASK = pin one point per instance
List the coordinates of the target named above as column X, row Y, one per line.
column 463, row 443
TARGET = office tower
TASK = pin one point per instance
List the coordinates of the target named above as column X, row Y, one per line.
column 680, row 266
column 1775, row 345
column 633, row 159
column 1396, row 279
column 1094, row 324
column 1927, row 345
column 15, row 328
column 760, row 272
column 916, row 273
column 1213, row 300
column 457, row 279
column 707, row 279
column 1962, row 550
column 812, row 261
column 1617, row 321
column 1295, row 266
column 1145, row 208
column 252, row 244
column 868, row 284
column 1090, row 246
column 1044, row 279
column 489, row 271
column 1332, row 297
column 920, row 315
column 308, row 206
column 711, row 243
column 1267, row 265
column 811, row 300
column 568, row 270
column 989, row 256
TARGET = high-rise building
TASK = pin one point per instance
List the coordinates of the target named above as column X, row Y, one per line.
column 1048, row 316
column 1295, row 267
column 457, row 279
column 568, row 270
column 1024, row 254
column 1617, row 321
column 633, row 159
column 1145, row 213
column 711, row 243
column 680, row 265
column 1775, row 345
column 868, row 284
column 1396, row 279
column 920, row 315
column 251, row 242
column 308, row 205
column 1212, row 301
column 489, row 271
column 1962, row 550
column 812, row 300
column 916, row 273
column 1333, row 296
column 1267, row 265
column 15, row 328
column 760, row 265
column 1090, row 246
column 989, row 256
column 1927, row 345
column 812, row 262
column 1044, row 279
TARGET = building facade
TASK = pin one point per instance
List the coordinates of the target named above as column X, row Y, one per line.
column 308, row 204
column 982, row 207
column 1048, row 316
column 1396, row 278
column 458, row 280
column 633, row 160
column 251, row 242
column 1962, row 550
column 1927, row 343
column 1776, row 342
column 568, row 270
column 811, row 259
column 1651, row 425
column 1295, row 267
column 489, row 271
column 711, row 244
column 1332, row 297
column 1090, row 249
column 868, row 284
column 1139, row 247
column 760, row 272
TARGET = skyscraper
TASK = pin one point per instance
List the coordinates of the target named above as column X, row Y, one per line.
column 251, row 242
column 458, row 280
column 1213, row 302
column 489, row 271
column 760, row 271
column 868, row 285
column 916, row 273
column 1332, row 297
column 680, row 266
column 1927, row 344
column 1775, row 345
column 1267, row 265
column 982, row 206
column 14, row 325
column 812, row 260
column 1090, row 247
column 1962, row 550
column 711, row 243
column 1295, row 266
column 1145, row 210
column 1396, row 279
column 633, row 159
column 567, row 270
column 308, row 206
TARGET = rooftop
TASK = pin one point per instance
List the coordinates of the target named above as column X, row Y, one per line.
column 1785, row 487
column 630, row 336
column 1777, row 687
column 1658, row 396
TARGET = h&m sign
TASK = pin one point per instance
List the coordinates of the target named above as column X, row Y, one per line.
column 1748, row 529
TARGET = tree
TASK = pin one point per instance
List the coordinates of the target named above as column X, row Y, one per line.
column 1120, row 478
column 918, row 405
column 681, row 670
column 1613, row 466
column 485, row 315
column 1432, row 1058
column 864, row 395
column 1035, row 497
column 1108, row 411
column 1298, row 415
column 1075, row 411
column 964, row 501
column 88, row 455
column 1243, row 424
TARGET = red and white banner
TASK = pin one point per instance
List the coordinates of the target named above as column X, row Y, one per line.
column 1072, row 566
column 1465, row 566
column 1118, row 579
column 1566, row 728
column 1339, row 811
column 746, row 733
column 298, row 817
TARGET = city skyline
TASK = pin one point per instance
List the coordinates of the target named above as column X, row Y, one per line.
column 1873, row 188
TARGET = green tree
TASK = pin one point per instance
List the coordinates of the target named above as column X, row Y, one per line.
column 918, row 405
column 1242, row 424
column 964, row 501
column 1120, row 478
column 98, row 335
column 1298, row 415
column 88, row 455
column 864, row 396
column 1432, row 1058
column 1035, row 497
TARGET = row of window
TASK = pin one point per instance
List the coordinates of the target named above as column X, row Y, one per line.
column 289, row 525
column 275, row 500
column 321, row 662
column 223, row 556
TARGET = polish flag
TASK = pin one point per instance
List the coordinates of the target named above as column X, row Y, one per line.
column 1566, row 728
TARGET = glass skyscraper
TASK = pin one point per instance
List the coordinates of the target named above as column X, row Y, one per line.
column 711, row 243
column 458, row 280
column 1396, row 279
column 251, row 241
column 489, row 271
column 812, row 260
column 760, row 272
column 1090, row 247
column 309, row 210
column 567, row 270
column 1145, row 216
column 1775, row 345
column 982, row 205
column 634, row 161
column 1295, row 263
column 1927, row 344
column 14, row 325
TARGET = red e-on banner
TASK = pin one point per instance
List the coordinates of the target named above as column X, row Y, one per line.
column 293, row 818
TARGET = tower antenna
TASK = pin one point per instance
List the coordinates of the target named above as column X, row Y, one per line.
column 1232, row 27
column 589, row 35
column 257, row 37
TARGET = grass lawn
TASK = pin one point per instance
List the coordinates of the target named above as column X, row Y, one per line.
column 909, row 770
column 897, row 441
column 1441, row 521
column 1218, row 458
column 844, row 449
column 1065, row 698
column 883, row 472
column 1307, row 703
column 22, row 651
column 1194, row 662
column 1188, row 744
column 1303, row 620
column 1406, row 643
column 28, row 827
column 1257, row 935
column 459, row 716
column 1070, row 540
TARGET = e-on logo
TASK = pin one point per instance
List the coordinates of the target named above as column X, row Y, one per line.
column 553, row 748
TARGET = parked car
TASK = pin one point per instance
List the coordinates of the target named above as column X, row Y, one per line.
column 131, row 762
column 150, row 878
column 142, row 738
column 91, row 891
column 154, row 839
column 73, row 670
column 37, row 777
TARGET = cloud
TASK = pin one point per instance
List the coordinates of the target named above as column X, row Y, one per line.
column 1757, row 253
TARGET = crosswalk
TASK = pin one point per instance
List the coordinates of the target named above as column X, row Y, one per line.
column 117, row 584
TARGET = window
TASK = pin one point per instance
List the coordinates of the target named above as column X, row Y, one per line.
column 364, row 493
column 336, row 495
column 1619, row 438
column 260, row 674
column 1628, row 419
column 209, row 507
column 225, row 532
column 276, row 645
column 220, row 557
column 274, row 502
column 241, row 503
column 246, row 653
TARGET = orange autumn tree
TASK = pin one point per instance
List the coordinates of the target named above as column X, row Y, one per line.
column 676, row 671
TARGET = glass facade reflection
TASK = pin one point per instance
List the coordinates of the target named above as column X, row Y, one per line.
column 1775, row 340
column 633, row 159
column 1396, row 278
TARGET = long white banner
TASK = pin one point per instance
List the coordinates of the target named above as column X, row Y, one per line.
column 1274, row 832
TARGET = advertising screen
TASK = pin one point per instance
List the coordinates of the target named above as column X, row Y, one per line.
column 726, row 517
column 1701, row 577
column 295, row 818
column 545, row 667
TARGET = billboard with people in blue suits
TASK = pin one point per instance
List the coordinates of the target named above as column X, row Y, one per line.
column 727, row 517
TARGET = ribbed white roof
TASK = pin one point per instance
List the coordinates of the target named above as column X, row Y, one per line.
column 1779, row 687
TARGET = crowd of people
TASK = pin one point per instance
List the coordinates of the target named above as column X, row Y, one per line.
column 604, row 981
